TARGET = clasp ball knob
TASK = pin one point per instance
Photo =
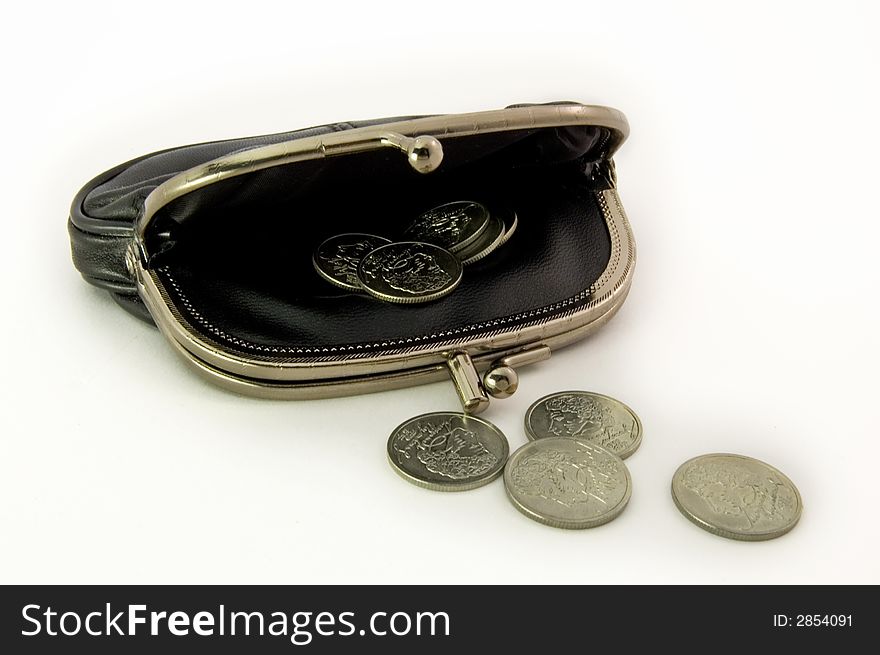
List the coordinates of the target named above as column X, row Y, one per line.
column 501, row 382
column 425, row 153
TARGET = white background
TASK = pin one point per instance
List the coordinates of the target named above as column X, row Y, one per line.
column 750, row 179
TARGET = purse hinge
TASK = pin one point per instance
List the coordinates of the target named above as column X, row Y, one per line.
column 604, row 172
column 500, row 379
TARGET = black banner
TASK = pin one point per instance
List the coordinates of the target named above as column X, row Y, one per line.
column 280, row 619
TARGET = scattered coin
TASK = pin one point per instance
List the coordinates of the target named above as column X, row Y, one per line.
column 336, row 259
column 736, row 497
column 409, row 272
column 486, row 244
column 567, row 483
column 448, row 451
column 584, row 415
column 453, row 226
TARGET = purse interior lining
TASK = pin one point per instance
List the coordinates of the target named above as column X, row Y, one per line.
column 236, row 257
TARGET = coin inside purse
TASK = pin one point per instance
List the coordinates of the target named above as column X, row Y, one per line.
column 235, row 257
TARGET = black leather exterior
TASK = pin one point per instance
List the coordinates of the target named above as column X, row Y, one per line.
column 103, row 212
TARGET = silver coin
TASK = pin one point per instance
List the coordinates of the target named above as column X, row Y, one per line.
column 448, row 451
column 511, row 222
column 336, row 259
column 488, row 242
column 409, row 272
column 567, row 483
column 452, row 226
column 736, row 497
column 584, row 415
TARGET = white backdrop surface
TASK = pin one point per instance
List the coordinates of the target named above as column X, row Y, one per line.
column 750, row 179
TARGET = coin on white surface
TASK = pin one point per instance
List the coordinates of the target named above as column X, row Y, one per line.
column 736, row 497
column 585, row 415
column 448, row 451
column 567, row 483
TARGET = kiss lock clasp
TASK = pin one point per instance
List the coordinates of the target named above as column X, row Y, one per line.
column 500, row 379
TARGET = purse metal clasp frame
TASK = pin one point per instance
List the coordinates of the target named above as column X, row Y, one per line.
column 476, row 372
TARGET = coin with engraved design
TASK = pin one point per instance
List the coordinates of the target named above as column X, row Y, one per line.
column 584, row 415
column 409, row 272
column 486, row 244
column 736, row 497
column 453, row 226
column 567, row 482
column 336, row 259
column 448, row 451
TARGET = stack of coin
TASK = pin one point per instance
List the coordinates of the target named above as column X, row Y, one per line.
column 426, row 263
column 465, row 228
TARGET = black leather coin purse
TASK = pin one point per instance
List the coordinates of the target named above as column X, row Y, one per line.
column 214, row 244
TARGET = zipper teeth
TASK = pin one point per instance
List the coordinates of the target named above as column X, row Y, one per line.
column 303, row 350
column 219, row 333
